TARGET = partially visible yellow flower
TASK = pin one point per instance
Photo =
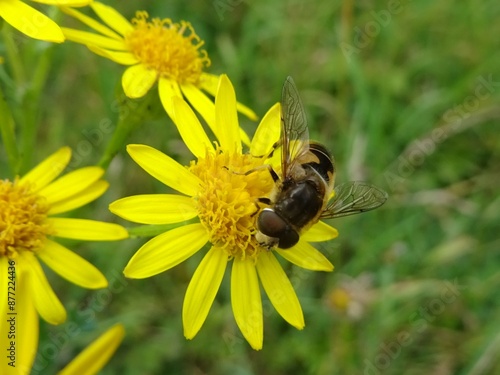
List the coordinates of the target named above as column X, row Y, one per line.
column 27, row 225
column 155, row 51
column 31, row 22
column 217, row 189
column 97, row 354
column 352, row 297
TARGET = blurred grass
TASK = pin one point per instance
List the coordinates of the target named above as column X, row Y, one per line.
column 388, row 306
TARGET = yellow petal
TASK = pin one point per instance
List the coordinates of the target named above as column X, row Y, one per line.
column 202, row 290
column 279, row 289
column 165, row 169
column 244, row 110
column 92, row 23
column 190, row 129
column 226, row 119
column 71, row 184
column 246, row 302
column 268, row 132
column 155, row 208
column 112, row 17
column 19, row 318
column 210, row 83
column 71, row 266
column 87, row 230
column 3, row 284
column 90, row 194
column 87, row 38
column 245, row 139
column 166, row 251
column 137, row 80
column 45, row 172
column 203, row 105
column 71, row 3
column 91, row 360
column 320, row 232
column 206, row 108
column 119, row 57
column 46, row 302
column 306, row 256
column 167, row 89
column 29, row 21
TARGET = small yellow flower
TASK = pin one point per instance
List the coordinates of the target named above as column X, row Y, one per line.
column 155, row 51
column 27, row 225
column 31, row 22
column 216, row 189
column 97, row 354
column 352, row 297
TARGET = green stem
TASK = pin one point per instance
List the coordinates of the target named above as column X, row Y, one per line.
column 132, row 113
column 7, row 129
column 123, row 129
column 28, row 86
column 13, row 55
column 31, row 105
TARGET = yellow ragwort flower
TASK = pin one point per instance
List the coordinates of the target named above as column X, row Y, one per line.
column 31, row 22
column 27, row 225
column 91, row 360
column 217, row 189
column 155, row 51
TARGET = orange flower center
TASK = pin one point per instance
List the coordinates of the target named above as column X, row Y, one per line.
column 227, row 200
column 22, row 219
column 170, row 49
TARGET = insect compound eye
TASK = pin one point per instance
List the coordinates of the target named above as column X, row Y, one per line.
column 272, row 225
column 288, row 238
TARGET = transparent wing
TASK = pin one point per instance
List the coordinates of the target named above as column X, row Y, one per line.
column 353, row 198
column 294, row 132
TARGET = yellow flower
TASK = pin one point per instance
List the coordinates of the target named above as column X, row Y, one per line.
column 217, row 189
column 31, row 22
column 155, row 51
column 27, row 206
column 97, row 354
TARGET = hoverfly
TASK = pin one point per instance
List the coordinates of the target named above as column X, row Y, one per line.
column 301, row 194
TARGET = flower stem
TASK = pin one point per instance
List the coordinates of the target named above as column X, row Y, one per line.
column 26, row 86
column 31, row 102
column 13, row 55
column 7, row 129
column 131, row 114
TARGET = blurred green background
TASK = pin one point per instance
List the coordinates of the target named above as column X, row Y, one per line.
column 405, row 94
